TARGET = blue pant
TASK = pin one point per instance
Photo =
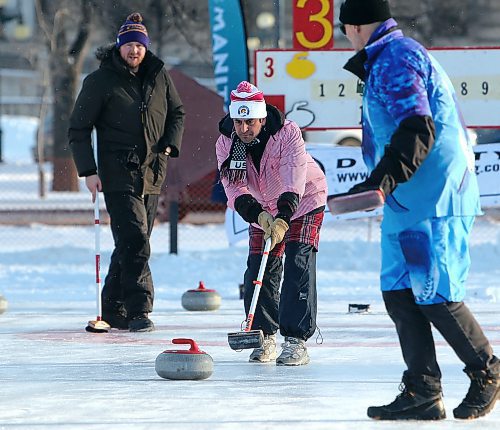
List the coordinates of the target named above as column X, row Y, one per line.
column 431, row 258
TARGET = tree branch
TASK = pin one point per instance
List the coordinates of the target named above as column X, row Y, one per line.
column 77, row 50
column 180, row 25
column 42, row 22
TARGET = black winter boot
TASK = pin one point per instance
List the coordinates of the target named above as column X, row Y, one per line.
column 482, row 395
column 141, row 322
column 420, row 399
column 115, row 315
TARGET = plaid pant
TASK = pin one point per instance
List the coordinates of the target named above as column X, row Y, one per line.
column 293, row 310
column 303, row 230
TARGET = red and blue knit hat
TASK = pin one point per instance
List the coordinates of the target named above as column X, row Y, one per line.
column 247, row 102
column 133, row 30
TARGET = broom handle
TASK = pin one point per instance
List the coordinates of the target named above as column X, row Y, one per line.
column 258, row 285
column 97, row 229
column 97, row 256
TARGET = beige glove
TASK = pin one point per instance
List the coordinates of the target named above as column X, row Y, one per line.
column 277, row 231
column 265, row 220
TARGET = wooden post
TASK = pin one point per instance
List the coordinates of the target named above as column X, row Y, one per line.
column 174, row 223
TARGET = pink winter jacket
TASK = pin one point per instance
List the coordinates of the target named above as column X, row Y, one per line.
column 285, row 166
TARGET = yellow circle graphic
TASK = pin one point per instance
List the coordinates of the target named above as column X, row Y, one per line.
column 300, row 67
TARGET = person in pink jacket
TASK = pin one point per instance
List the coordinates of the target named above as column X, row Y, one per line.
column 277, row 187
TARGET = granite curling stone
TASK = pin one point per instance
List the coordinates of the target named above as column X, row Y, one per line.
column 188, row 364
column 201, row 299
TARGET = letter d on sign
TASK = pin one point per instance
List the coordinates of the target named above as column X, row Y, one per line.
column 343, row 163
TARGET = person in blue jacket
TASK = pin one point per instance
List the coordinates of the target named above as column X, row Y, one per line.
column 416, row 148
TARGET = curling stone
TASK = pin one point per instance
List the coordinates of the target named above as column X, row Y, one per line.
column 201, row 299
column 191, row 364
column 3, row 304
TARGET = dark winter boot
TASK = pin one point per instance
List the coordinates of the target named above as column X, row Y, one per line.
column 115, row 315
column 420, row 399
column 141, row 322
column 482, row 395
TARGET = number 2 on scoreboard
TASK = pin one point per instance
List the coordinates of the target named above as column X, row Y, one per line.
column 341, row 90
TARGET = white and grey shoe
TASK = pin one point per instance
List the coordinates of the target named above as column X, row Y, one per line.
column 294, row 353
column 267, row 352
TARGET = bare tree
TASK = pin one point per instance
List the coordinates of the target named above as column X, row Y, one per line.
column 180, row 25
column 65, row 27
column 429, row 21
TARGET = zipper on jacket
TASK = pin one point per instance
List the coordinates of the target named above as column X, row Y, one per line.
column 143, row 108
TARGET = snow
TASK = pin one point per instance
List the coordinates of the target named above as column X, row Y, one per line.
column 18, row 138
column 53, row 374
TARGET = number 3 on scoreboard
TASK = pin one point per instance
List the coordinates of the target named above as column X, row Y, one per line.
column 318, row 37
column 269, row 73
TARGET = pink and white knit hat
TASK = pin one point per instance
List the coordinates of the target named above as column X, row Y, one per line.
column 247, row 102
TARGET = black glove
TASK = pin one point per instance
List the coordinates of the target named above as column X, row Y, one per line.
column 287, row 203
column 248, row 208
column 361, row 187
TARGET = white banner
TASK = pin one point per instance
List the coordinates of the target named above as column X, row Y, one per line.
column 344, row 167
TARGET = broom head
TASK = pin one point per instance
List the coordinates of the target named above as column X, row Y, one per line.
column 245, row 339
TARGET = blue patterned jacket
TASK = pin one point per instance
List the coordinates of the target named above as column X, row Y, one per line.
column 402, row 80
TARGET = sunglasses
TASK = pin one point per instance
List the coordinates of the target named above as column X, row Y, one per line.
column 342, row 29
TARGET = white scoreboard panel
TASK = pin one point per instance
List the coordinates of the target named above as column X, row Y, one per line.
column 314, row 90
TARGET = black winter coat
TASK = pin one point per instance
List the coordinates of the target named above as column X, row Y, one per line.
column 135, row 119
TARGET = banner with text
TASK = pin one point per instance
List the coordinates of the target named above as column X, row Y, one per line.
column 344, row 167
column 229, row 46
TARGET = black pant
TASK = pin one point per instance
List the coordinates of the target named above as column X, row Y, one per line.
column 453, row 320
column 294, row 311
column 129, row 278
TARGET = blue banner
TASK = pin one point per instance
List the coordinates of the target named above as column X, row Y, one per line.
column 229, row 46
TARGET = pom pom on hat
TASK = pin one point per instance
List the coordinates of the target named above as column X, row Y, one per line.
column 247, row 102
column 361, row 12
column 133, row 30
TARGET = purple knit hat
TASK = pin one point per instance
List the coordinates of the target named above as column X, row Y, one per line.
column 133, row 30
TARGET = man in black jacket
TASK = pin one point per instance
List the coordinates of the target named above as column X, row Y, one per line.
column 139, row 118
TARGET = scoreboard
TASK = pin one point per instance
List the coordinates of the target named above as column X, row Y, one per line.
column 314, row 90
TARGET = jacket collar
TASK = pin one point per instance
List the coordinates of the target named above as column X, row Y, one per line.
column 110, row 58
column 360, row 63
column 385, row 33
